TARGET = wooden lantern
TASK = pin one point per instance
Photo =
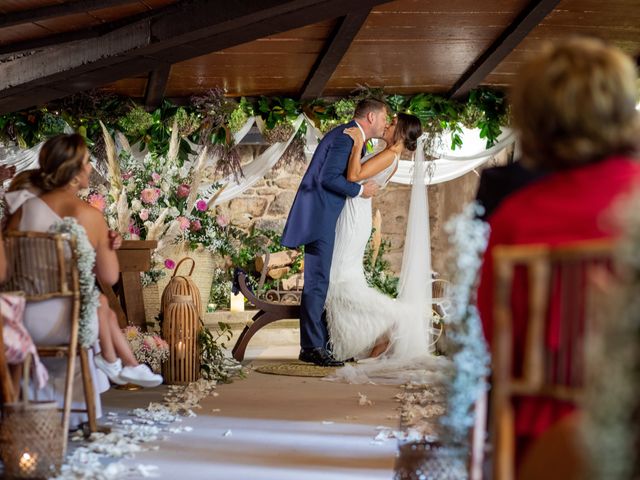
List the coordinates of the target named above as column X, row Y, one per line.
column 180, row 328
column 182, row 285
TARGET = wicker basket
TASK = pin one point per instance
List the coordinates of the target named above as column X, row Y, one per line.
column 180, row 328
column 31, row 437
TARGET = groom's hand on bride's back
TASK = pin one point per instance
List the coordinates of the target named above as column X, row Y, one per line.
column 370, row 189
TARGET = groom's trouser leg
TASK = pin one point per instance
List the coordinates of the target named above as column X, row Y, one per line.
column 317, row 269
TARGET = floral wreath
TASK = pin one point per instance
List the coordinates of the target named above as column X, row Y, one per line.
column 89, row 294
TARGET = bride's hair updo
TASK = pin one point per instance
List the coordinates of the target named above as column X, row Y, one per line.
column 60, row 160
column 408, row 129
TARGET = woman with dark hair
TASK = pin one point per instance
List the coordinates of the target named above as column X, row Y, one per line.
column 363, row 322
column 38, row 199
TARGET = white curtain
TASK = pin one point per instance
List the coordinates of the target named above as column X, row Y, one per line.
column 451, row 164
column 256, row 169
column 448, row 165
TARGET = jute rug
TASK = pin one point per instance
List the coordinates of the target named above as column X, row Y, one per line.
column 295, row 368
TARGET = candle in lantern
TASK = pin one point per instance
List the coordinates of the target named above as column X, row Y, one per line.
column 237, row 302
column 28, row 463
column 180, row 349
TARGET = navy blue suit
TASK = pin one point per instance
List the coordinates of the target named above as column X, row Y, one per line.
column 312, row 223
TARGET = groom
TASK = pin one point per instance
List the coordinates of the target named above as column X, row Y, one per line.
column 313, row 217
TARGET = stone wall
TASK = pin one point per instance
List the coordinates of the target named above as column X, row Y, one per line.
column 267, row 204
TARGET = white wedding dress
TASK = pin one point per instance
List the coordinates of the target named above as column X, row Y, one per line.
column 358, row 316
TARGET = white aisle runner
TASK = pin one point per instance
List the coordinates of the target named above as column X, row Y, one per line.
column 272, row 427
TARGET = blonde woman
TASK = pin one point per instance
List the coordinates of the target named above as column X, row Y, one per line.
column 574, row 105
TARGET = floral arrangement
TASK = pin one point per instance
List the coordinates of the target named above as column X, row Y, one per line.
column 377, row 269
column 148, row 348
column 159, row 198
column 89, row 295
column 220, row 117
column 468, row 240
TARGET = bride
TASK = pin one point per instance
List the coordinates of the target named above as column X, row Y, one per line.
column 362, row 322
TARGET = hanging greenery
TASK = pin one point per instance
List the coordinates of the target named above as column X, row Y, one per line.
column 212, row 118
column 220, row 116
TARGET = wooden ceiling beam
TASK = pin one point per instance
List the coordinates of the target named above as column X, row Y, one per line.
column 193, row 29
column 57, row 10
column 509, row 39
column 333, row 52
column 156, row 86
column 85, row 33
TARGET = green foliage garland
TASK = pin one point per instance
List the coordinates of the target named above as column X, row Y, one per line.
column 212, row 117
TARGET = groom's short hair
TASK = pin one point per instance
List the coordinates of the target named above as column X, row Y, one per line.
column 369, row 105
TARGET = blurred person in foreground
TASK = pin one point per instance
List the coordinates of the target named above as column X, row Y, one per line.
column 574, row 105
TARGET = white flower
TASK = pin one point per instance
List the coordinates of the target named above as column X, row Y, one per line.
column 88, row 331
column 136, row 205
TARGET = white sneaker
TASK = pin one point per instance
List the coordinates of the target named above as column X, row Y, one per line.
column 112, row 370
column 140, row 375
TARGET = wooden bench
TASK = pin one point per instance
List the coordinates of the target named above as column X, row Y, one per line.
column 268, row 312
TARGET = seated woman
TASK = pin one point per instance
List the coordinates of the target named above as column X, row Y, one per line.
column 39, row 198
column 574, row 106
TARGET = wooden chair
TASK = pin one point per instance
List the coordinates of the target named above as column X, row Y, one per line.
column 560, row 446
column 45, row 266
column 441, row 297
column 556, row 285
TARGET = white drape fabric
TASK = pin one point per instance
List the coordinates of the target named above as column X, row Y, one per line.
column 255, row 170
column 448, row 165
column 414, row 286
column 21, row 159
column 451, row 164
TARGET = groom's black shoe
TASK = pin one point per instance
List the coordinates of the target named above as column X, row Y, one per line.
column 319, row 356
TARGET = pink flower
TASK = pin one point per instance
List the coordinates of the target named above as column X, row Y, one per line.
column 148, row 344
column 183, row 190
column 97, row 201
column 155, row 178
column 144, row 214
column 201, row 205
column 133, row 230
column 170, row 264
column 196, row 226
column 183, row 222
column 150, row 195
column 127, row 175
column 222, row 220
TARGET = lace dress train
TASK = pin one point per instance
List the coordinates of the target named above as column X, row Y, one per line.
column 358, row 316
